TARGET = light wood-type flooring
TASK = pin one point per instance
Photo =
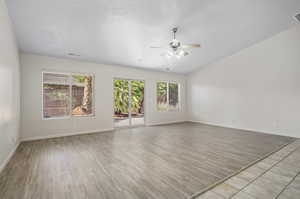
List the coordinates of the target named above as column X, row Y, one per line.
column 168, row 161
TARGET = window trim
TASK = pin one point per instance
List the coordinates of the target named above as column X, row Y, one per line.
column 69, row 74
column 179, row 98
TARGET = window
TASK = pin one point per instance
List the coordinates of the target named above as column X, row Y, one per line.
column 67, row 94
column 82, row 95
column 167, row 96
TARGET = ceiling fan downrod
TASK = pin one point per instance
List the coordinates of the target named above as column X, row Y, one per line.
column 174, row 32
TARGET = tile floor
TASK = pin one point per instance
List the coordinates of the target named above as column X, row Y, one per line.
column 277, row 176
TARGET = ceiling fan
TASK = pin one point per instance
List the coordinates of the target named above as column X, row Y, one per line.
column 176, row 49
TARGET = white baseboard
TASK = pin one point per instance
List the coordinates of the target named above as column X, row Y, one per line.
column 163, row 123
column 85, row 132
column 64, row 135
column 4, row 163
column 238, row 128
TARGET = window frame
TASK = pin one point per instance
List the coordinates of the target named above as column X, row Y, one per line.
column 69, row 74
column 179, row 98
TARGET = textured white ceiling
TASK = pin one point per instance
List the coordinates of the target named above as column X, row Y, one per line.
column 120, row 32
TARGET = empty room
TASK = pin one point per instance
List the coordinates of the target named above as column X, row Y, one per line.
column 160, row 99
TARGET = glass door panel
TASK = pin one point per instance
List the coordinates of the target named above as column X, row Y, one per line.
column 137, row 89
column 121, row 115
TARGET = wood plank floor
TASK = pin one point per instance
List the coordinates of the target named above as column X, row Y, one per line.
column 170, row 161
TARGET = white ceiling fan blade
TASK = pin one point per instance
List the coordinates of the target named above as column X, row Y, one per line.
column 191, row 46
column 156, row 47
column 160, row 46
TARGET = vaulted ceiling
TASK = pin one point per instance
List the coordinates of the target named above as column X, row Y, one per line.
column 120, row 32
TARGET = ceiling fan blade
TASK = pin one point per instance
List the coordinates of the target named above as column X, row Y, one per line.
column 191, row 46
column 156, row 47
column 160, row 46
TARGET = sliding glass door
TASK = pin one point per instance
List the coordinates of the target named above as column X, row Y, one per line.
column 121, row 103
column 137, row 102
column 128, row 102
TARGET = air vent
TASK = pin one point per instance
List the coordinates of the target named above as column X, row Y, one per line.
column 73, row 54
column 298, row 17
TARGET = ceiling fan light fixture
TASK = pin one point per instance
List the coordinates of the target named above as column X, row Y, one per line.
column 176, row 48
column 179, row 54
column 169, row 54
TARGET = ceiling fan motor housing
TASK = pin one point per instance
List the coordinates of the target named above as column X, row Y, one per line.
column 175, row 44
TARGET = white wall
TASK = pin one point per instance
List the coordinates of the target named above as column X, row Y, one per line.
column 32, row 124
column 258, row 88
column 9, row 88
